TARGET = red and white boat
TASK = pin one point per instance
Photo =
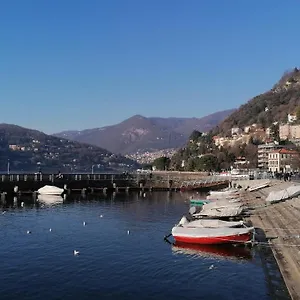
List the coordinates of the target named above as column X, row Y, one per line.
column 210, row 236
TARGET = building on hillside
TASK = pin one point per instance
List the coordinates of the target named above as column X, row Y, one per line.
column 247, row 129
column 283, row 160
column 289, row 132
column 292, row 118
column 235, row 131
column 263, row 154
column 240, row 162
column 268, row 132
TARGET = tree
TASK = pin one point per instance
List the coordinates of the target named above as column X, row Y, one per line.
column 298, row 113
column 161, row 163
column 191, row 165
column 195, row 135
column 274, row 131
column 207, row 162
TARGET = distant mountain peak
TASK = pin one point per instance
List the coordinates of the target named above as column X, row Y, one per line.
column 139, row 133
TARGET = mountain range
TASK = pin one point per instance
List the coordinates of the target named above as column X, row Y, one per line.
column 31, row 150
column 141, row 134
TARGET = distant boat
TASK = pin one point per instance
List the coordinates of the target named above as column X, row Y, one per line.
column 211, row 236
column 50, row 190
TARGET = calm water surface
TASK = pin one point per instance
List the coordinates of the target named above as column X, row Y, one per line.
column 122, row 253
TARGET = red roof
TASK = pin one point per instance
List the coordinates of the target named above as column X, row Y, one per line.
column 286, row 151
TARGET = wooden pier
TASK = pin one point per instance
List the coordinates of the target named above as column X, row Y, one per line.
column 279, row 228
column 21, row 184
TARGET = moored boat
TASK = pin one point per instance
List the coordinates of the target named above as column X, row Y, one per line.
column 50, row 190
column 209, row 223
column 210, row 236
column 221, row 208
column 199, row 202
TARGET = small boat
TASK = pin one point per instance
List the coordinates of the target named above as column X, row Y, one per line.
column 209, row 223
column 224, row 193
column 221, row 208
column 259, row 186
column 211, row 236
column 212, row 251
column 50, row 190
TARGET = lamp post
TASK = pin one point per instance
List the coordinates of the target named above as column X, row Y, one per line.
column 93, row 169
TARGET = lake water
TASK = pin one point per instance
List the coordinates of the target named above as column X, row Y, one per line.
column 122, row 253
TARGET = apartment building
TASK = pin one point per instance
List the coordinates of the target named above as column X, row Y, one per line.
column 263, row 154
column 283, row 160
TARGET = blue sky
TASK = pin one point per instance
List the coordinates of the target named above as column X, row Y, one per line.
column 84, row 64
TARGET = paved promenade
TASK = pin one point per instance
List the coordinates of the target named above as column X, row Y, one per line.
column 280, row 223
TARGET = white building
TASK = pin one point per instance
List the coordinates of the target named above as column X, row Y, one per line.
column 292, row 118
column 235, row 130
column 290, row 132
column 263, row 154
column 283, row 160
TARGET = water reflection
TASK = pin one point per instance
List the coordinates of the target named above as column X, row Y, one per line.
column 50, row 199
column 213, row 251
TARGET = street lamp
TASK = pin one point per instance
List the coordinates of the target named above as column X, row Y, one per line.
column 93, row 169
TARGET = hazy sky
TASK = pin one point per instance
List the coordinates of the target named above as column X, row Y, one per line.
column 83, row 64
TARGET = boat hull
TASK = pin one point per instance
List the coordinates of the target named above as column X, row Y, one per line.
column 231, row 239
column 50, row 190
column 199, row 202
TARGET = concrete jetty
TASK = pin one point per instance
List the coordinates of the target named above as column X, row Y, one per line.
column 278, row 227
column 23, row 184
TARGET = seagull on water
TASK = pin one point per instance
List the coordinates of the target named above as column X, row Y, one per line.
column 75, row 252
column 84, row 223
column 28, row 231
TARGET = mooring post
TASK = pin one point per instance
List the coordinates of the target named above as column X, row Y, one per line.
column 3, row 194
column 105, row 190
column 16, row 189
column 142, row 186
column 34, row 195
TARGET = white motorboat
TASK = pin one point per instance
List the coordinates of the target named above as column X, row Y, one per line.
column 207, row 223
column 50, row 190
